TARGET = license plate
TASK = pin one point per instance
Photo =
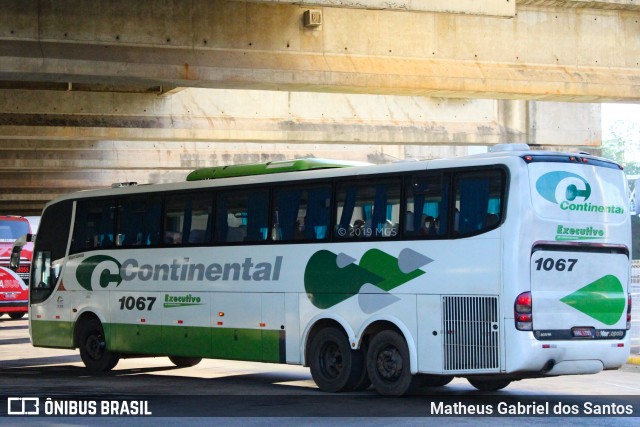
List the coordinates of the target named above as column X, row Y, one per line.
column 583, row 332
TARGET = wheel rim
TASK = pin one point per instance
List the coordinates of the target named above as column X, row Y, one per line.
column 331, row 360
column 95, row 346
column 390, row 364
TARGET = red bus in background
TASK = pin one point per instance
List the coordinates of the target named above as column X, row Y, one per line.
column 14, row 286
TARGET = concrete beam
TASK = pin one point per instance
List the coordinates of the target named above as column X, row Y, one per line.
column 256, row 116
column 473, row 7
column 551, row 52
column 54, row 142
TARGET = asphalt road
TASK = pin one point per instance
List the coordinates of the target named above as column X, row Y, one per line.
column 241, row 393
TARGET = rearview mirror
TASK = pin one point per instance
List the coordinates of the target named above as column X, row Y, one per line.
column 16, row 250
column 14, row 261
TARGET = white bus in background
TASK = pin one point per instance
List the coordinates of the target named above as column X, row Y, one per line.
column 493, row 267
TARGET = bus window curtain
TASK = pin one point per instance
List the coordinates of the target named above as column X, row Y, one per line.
column 418, row 206
column 209, row 230
column 474, row 200
column 257, row 216
column 316, row 221
column 222, row 220
column 380, row 211
column 347, row 208
column 152, row 222
column 288, row 207
column 107, row 225
column 443, row 212
column 494, row 206
column 186, row 225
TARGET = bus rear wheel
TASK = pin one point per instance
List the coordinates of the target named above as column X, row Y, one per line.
column 388, row 364
column 93, row 348
column 185, row 362
column 334, row 366
column 489, row 385
column 16, row 316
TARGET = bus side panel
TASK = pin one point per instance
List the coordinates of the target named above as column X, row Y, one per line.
column 273, row 327
column 430, row 334
column 134, row 327
column 186, row 323
column 237, row 334
column 292, row 328
column 50, row 321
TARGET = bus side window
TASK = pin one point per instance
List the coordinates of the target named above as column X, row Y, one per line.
column 478, row 199
column 188, row 219
column 94, row 226
column 140, row 222
column 369, row 210
column 242, row 216
column 301, row 213
column 426, row 208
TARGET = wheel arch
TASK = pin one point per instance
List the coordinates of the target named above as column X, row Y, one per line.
column 83, row 317
column 379, row 324
column 322, row 322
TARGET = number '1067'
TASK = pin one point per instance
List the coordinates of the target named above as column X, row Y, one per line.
column 561, row 264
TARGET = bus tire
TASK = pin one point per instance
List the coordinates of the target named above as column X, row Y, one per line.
column 185, row 362
column 427, row 380
column 93, row 348
column 334, row 366
column 388, row 364
column 16, row 316
column 488, row 385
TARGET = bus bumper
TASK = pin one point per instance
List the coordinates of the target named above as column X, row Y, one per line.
column 550, row 358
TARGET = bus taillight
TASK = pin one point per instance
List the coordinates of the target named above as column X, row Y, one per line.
column 522, row 312
column 628, row 311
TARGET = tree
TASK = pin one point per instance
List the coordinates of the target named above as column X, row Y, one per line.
column 621, row 143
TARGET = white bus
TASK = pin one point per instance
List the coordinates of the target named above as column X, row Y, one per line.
column 493, row 267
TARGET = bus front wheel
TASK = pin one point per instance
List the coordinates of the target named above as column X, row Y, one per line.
column 93, row 348
column 488, row 385
column 16, row 316
column 185, row 362
column 334, row 366
column 388, row 364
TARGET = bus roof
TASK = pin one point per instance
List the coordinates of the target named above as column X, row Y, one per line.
column 322, row 169
column 281, row 166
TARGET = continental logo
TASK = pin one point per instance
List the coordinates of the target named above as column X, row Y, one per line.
column 108, row 271
column 330, row 278
column 570, row 192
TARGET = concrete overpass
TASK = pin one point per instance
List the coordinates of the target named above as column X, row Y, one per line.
column 92, row 92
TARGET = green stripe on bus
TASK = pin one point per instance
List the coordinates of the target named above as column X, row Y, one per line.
column 189, row 341
column 48, row 333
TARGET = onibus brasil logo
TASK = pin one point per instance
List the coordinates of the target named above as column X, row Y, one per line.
column 330, row 278
column 570, row 192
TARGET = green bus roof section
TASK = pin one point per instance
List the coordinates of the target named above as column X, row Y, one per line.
column 281, row 166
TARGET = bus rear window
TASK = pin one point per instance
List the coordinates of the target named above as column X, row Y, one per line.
column 577, row 192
